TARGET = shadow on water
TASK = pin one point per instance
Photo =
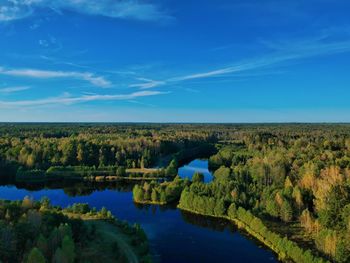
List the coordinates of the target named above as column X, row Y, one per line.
column 219, row 225
column 74, row 188
column 216, row 224
column 154, row 209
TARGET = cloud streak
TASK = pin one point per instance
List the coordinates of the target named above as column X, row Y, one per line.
column 282, row 53
column 68, row 100
column 285, row 53
column 147, row 83
column 47, row 74
column 8, row 90
column 122, row 9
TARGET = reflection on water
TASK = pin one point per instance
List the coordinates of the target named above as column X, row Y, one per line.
column 198, row 165
column 75, row 188
column 175, row 236
column 155, row 208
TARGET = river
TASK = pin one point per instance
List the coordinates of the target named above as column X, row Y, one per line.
column 175, row 236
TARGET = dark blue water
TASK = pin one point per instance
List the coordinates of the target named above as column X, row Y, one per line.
column 175, row 236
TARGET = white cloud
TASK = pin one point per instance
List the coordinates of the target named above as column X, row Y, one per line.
column 67, row 99
column 147, row 83
column 14, row 89
column 123, row 9
column 47, row 74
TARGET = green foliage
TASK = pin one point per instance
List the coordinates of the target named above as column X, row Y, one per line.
column 160, row 193
column 59, row 256
column 232, row 211
column 222, row 174
column 121, row 171
column 272, row 208
column 286, row 211
column 332, row 215
column 68, row 249
column 55, row 237
column 198, row 178
column 35, row 256
column 171, row 170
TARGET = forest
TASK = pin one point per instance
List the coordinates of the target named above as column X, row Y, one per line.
column 34, row 152
column 293, row 180
column 288, row 185
column 37, row 232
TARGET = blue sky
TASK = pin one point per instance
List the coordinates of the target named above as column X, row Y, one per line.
column 175, row 61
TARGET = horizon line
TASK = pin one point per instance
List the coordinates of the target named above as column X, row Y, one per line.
column 146, row 122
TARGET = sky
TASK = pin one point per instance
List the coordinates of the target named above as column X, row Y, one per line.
column 174, row 61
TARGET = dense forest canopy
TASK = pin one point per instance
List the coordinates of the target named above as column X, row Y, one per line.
column 43, row 145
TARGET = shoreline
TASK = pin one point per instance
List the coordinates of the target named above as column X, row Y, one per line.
column 87, row 179
column 245, row 227
column 149, row 203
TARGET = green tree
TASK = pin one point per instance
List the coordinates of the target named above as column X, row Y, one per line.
column 154, row 195
column 68, row 249
column 232, row 210
column 104, row 212
column 223, row 174
column 35, row 256
column 121, row 171
column 337, row 199
column 272, row 208
column 59, row 256
column 171, row 170
column 163, row 197
column 137, row 193
column 220, row 208
column 198, row 177
column 286, row 211
column 42, row 244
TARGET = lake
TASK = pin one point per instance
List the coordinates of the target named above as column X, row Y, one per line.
column 175, row 236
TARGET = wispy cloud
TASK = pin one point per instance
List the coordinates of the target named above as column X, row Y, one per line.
column 59, row 61
column 147, row 83
column 123, row 9
column 285, row 53
column 141, row 103
column 13, row 89
column 280, row 54
column 66, row 99
column 47, row 74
